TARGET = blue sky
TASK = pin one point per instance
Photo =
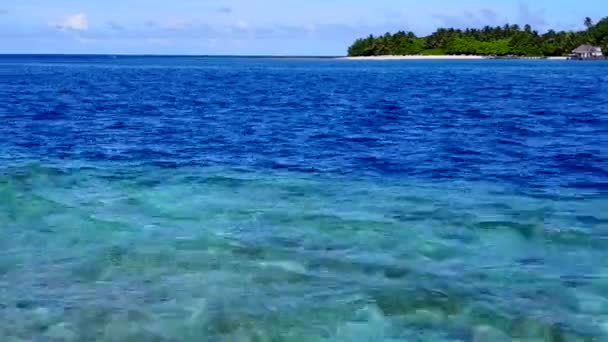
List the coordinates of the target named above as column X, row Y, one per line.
column 251, row 27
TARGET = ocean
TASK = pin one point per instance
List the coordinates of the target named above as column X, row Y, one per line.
column 264, row 199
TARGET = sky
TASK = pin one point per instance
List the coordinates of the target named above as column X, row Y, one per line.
column 257, row 27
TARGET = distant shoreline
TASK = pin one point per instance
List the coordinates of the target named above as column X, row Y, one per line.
column 440, row 57
column 284, row 57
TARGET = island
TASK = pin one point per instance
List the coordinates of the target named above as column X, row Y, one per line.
column 500, row 41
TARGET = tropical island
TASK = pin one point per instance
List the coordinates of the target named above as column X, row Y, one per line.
column 507, row 40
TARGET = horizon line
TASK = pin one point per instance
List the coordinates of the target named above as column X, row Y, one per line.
column 166, row 55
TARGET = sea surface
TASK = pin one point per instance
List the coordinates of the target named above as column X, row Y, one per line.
column 261, row 199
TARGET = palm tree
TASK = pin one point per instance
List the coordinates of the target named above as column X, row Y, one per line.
column 588, row 22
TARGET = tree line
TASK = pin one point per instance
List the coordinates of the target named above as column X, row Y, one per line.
column 488, row 41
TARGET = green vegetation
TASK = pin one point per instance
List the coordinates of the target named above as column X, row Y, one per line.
column 433, row 52
column 489, row 41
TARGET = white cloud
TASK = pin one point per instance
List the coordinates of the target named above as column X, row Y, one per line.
column 75, row 22
column 242, row 25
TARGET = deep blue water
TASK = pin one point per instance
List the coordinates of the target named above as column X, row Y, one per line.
column 238, row 199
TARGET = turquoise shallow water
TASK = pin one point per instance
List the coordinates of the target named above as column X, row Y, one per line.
column 209, row 253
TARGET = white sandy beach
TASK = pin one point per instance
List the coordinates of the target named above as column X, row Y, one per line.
column 437, row 57
column 415, row 57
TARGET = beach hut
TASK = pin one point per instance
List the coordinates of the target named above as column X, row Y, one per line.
column 586, row 52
